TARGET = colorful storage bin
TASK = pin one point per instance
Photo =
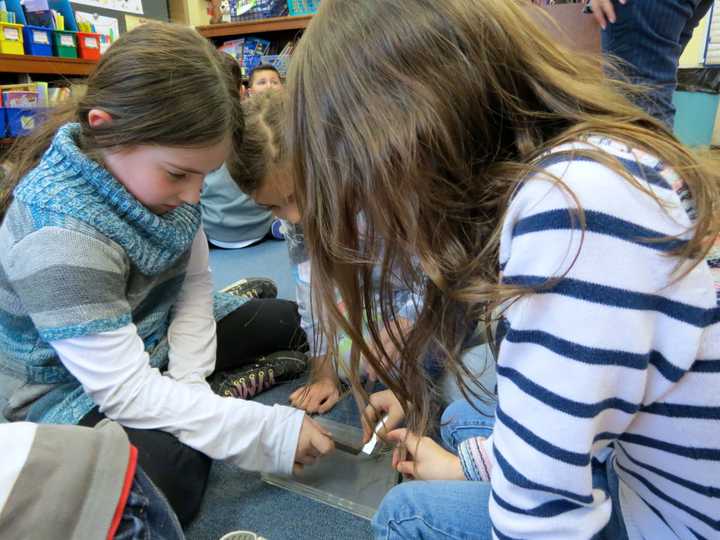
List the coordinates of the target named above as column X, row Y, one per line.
column 88, row 45
column 303, row 7
column 38, row 40
column 21, row 122
column 11, row 38
column 65, row 44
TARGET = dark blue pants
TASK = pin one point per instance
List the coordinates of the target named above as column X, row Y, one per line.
column 148, row 514
column 649, row 37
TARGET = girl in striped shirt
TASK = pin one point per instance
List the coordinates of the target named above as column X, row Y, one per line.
column 535, row 196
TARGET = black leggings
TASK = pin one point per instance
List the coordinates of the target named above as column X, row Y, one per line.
column 257, row 328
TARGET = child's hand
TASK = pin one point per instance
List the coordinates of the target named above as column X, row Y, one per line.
column 384, row 403
column 421, row 458
column 603, row 11
column 318, row 397
column 314, row 442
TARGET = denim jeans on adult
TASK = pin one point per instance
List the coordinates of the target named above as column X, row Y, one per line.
column 147, row 514
column 459, row 509
column 649, row 37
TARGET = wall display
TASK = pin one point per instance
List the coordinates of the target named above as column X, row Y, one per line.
column 130, row 6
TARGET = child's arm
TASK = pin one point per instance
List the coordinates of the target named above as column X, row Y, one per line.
column 575, row 362
column 191, row 335
column 115, row 372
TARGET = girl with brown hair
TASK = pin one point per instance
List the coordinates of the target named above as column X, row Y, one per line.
column 107, row 307
column 507, row 178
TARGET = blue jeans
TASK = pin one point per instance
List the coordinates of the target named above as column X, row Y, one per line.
column 147, row 514
column 649, row 37
column 459, row 509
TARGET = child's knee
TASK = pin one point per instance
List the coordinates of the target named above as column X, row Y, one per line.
column 396, row 506
column 461, row 421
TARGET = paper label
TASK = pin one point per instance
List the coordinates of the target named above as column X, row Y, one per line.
column 91, row 43
column 40, row 37
column 27, row 122
column 67, row 41
column 11, row 34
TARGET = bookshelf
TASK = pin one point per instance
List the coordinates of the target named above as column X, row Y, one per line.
column 577, row 30
column 258, row 26
column 47, row 65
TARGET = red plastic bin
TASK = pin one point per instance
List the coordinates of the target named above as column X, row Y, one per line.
column 89, row 45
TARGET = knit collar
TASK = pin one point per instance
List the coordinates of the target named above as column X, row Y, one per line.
column 67, row 182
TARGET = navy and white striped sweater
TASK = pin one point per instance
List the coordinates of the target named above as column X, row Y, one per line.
column 617, row 360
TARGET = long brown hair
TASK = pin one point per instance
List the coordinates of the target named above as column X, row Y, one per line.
column 423, row 116
column 162, row 84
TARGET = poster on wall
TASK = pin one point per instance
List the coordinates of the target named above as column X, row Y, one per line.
column 130, row 6
column 109, row 26
column 133, row 22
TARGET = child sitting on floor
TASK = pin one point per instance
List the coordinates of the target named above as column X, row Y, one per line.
column 262, row 172
column 107, row 299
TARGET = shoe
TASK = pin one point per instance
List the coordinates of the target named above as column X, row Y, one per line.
column 242, row 535
column 276, row 230
column 252, row 288
column 249, row 381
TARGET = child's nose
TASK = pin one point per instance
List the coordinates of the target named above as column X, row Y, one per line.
column 191, row 195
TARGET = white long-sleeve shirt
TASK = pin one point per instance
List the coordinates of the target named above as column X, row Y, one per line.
column 114, row 371
column 617, row 360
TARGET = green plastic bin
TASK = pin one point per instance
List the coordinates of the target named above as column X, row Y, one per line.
column 65, row 44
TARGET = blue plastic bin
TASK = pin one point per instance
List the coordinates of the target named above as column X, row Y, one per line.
column 303, row 7
column 21, row 122
column 3, row 123
column 38, row 40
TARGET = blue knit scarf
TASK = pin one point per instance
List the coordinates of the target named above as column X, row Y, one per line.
column 68, row 183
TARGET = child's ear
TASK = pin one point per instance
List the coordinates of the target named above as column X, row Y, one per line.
column 99, row 118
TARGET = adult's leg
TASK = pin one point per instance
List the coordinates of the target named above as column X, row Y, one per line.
column 257, row 328
column 649, row 37
column 438, row 509
column 178, row 471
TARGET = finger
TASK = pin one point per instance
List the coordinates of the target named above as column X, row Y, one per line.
column 369, row 416
column 599, row 15
column 322, row 444
column 395, row 457
column 609, row 10
column 295, row 394
column 406, row 468
column 305, row 459
column 397, row 436
column 328, row 404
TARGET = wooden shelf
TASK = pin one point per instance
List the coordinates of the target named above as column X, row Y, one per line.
column 7, row 141
column 259, row 26
column 49, row 65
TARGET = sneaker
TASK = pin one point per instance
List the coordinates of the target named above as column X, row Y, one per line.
column 266, row 372
column 251, row 288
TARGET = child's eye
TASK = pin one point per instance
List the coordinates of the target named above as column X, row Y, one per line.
column 177, row 175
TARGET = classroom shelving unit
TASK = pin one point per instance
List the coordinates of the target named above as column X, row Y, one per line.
column 47, row 65
column 258, row 26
